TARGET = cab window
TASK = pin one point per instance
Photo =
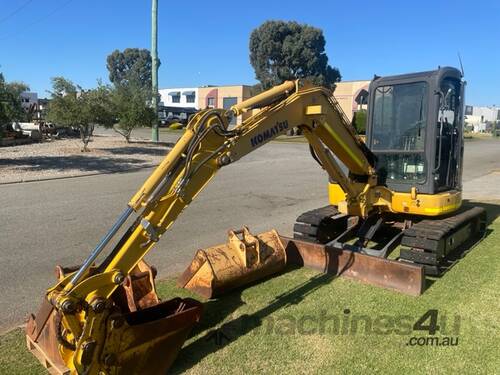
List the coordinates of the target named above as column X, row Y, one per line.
column 399, row 117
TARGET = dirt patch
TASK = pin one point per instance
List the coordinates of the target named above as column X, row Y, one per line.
column 63, row 158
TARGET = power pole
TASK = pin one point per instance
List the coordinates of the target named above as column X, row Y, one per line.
column 154, row 67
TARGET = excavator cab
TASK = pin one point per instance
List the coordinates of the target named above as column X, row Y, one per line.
column 415, row 124
column 415, row 130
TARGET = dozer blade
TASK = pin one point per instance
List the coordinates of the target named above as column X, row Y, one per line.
column 244, row 259
column 143, row 335
column 390, row 274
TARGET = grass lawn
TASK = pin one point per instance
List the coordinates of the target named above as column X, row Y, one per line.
column 288, row 325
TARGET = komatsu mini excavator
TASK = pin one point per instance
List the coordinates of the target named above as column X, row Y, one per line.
column 402, row 187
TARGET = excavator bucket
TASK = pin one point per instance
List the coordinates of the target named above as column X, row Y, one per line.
column 244, row 259
column 146, row 334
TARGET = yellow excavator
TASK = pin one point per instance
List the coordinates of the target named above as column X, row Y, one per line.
column 403, row 186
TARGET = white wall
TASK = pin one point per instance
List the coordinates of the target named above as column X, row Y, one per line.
column 166, row 99
column 481, row 115
column 472, row 120
column 485, row 113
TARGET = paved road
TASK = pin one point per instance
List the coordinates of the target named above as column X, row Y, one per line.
column 58, row 222
column 481, row 156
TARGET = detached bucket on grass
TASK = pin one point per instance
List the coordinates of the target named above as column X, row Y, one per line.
column 245, row 258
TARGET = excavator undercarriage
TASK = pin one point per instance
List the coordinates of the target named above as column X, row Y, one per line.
column 433, row 243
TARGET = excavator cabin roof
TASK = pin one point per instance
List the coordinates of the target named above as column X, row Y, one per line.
column 446, row 71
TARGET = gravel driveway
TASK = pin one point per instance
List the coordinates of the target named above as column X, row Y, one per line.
column 63, row 158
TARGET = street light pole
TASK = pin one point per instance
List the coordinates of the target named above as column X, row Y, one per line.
column 154, row 67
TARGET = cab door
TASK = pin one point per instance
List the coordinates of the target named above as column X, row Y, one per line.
column 449, row 148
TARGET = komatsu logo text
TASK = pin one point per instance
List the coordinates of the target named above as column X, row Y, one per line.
column 269, row 133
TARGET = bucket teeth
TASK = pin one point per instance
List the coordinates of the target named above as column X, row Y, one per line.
column 245, row 258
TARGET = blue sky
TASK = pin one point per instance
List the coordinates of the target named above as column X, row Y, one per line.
column 204, row 42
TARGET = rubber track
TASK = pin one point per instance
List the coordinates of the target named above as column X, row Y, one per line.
column 427, row 240
column 308, row 223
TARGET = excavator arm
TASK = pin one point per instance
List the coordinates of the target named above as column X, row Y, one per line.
column 82, row 300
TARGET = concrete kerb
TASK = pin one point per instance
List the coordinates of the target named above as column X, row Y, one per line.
column 135, row 169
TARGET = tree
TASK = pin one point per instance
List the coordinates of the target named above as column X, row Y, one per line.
column 130, row 104
column 100, row 105
column 359, row 121
column 10, row 102
column 130, row 73
column 132, row 66
column 282, row 51
column 75, row 107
